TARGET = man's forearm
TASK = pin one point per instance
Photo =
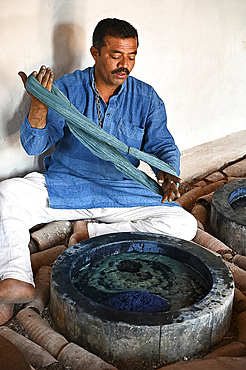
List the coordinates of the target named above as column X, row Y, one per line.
column 37, row 116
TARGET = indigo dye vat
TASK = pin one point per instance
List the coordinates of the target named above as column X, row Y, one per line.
column 228, row 215
column 180, row 297
column 153, row 282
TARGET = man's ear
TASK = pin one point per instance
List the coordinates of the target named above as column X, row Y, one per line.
column 94, row 53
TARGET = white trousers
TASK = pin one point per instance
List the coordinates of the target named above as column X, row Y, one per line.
column 24, row 203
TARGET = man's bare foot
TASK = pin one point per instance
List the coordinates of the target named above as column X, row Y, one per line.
column 80, row 233
column 15, row 291
column 6, row 312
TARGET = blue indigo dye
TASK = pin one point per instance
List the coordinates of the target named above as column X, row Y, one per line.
column 137, row 302
column 140, row 282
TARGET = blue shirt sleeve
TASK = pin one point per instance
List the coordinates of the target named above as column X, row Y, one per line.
column 36, row 141
column 158, row 140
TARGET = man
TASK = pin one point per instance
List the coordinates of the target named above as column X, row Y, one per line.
column 77, row 185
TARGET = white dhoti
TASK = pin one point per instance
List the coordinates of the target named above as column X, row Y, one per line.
column 24, row 203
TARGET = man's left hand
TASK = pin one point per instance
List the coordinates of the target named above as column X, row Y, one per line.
column 169, row 185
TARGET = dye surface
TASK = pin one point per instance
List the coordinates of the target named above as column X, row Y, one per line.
column 175, row 283
column 137, row 302
column 239, row 205
column 237, row 200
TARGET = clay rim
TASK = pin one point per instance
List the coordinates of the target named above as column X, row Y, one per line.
column 225, row 195
column 211, row 268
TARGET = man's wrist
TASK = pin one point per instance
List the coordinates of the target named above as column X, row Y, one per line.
column 37, row 117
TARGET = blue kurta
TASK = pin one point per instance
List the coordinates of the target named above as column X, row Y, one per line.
column 75, row 177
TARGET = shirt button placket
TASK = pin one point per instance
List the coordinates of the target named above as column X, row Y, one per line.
column 107, row 121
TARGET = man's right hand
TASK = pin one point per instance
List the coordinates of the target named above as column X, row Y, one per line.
column 38, row 110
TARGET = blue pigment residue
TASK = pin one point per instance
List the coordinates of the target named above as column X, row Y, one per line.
column 141, row 282
column 237, row 200
column 137, row 302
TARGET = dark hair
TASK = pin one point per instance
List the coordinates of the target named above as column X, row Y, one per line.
column 112, row 27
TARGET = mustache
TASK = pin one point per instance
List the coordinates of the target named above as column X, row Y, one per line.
column 119, row 70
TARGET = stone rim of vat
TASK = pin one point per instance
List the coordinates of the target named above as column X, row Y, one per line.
column 163, row 336
column 228, row 225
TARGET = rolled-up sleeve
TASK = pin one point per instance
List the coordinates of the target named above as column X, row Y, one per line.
column 36, row 141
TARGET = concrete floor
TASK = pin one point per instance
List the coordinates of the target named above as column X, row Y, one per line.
column 204, row 159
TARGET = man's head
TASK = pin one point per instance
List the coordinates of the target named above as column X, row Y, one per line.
column 112, row 27
column 114, row 49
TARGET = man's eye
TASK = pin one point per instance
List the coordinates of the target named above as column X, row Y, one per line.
column 115, row 57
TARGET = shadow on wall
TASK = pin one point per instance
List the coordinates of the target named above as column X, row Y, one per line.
column 13, row 124
column 68, row 49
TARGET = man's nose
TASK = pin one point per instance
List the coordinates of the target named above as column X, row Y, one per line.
column 123, row 61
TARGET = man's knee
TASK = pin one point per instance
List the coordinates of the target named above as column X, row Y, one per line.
column 190, row 228
column 13, row 196
column 180, row 223
column 7, row 188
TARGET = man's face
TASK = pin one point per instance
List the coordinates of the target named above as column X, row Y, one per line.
column 116, row 60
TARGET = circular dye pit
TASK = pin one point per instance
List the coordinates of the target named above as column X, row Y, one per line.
column 133, row 297
column 121, row 280
column 228, row 215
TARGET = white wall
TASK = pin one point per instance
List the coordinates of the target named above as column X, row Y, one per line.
column 193, row 52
